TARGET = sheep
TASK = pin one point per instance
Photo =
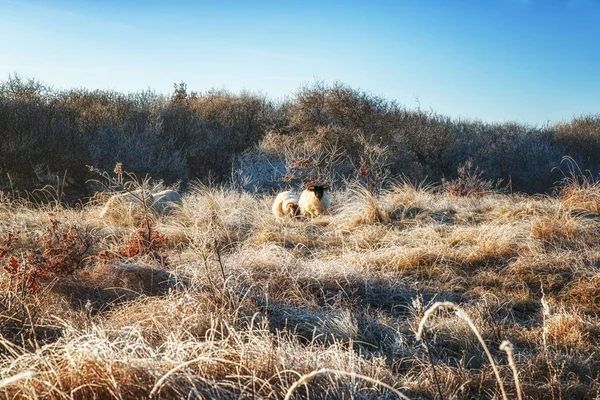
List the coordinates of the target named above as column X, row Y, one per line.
column 128, row 203
column 132, row 204
column 286, row 204
column 166, row 201
column 314, row 200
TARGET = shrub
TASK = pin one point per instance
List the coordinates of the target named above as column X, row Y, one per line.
column 469, row 183
column 189, row 135
column 212, row 128
column 64, row 250
column 581, row 138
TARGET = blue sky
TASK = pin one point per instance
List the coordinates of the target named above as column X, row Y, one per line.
column 530, row 61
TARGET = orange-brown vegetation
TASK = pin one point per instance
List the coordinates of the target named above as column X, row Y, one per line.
column 248, row 303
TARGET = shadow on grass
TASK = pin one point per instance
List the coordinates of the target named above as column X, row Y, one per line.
column 101, row 288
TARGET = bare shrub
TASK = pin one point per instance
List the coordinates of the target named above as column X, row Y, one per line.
column 469, row 183
column 581, row 137
column 147, row 152
column 191, row 135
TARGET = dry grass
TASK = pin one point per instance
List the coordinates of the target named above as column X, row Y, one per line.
column 236, row 303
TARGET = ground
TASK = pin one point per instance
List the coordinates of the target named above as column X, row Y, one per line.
column 220, row 299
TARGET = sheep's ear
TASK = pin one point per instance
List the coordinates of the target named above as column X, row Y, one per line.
column 325, row 187
column 310, row 186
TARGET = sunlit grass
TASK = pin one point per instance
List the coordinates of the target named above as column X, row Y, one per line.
column 239, row 303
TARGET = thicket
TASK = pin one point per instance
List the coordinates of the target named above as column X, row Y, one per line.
column 48, row 134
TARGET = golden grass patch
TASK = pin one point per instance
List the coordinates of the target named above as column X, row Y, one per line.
column 249, row 303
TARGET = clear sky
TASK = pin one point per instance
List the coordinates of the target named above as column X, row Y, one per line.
column 531, row 61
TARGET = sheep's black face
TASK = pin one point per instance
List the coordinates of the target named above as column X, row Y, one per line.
column 318, row 190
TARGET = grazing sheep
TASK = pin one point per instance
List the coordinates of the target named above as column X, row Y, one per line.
column 314, row 200
column 130, row 203
column 166, row 201
column 286, row 204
